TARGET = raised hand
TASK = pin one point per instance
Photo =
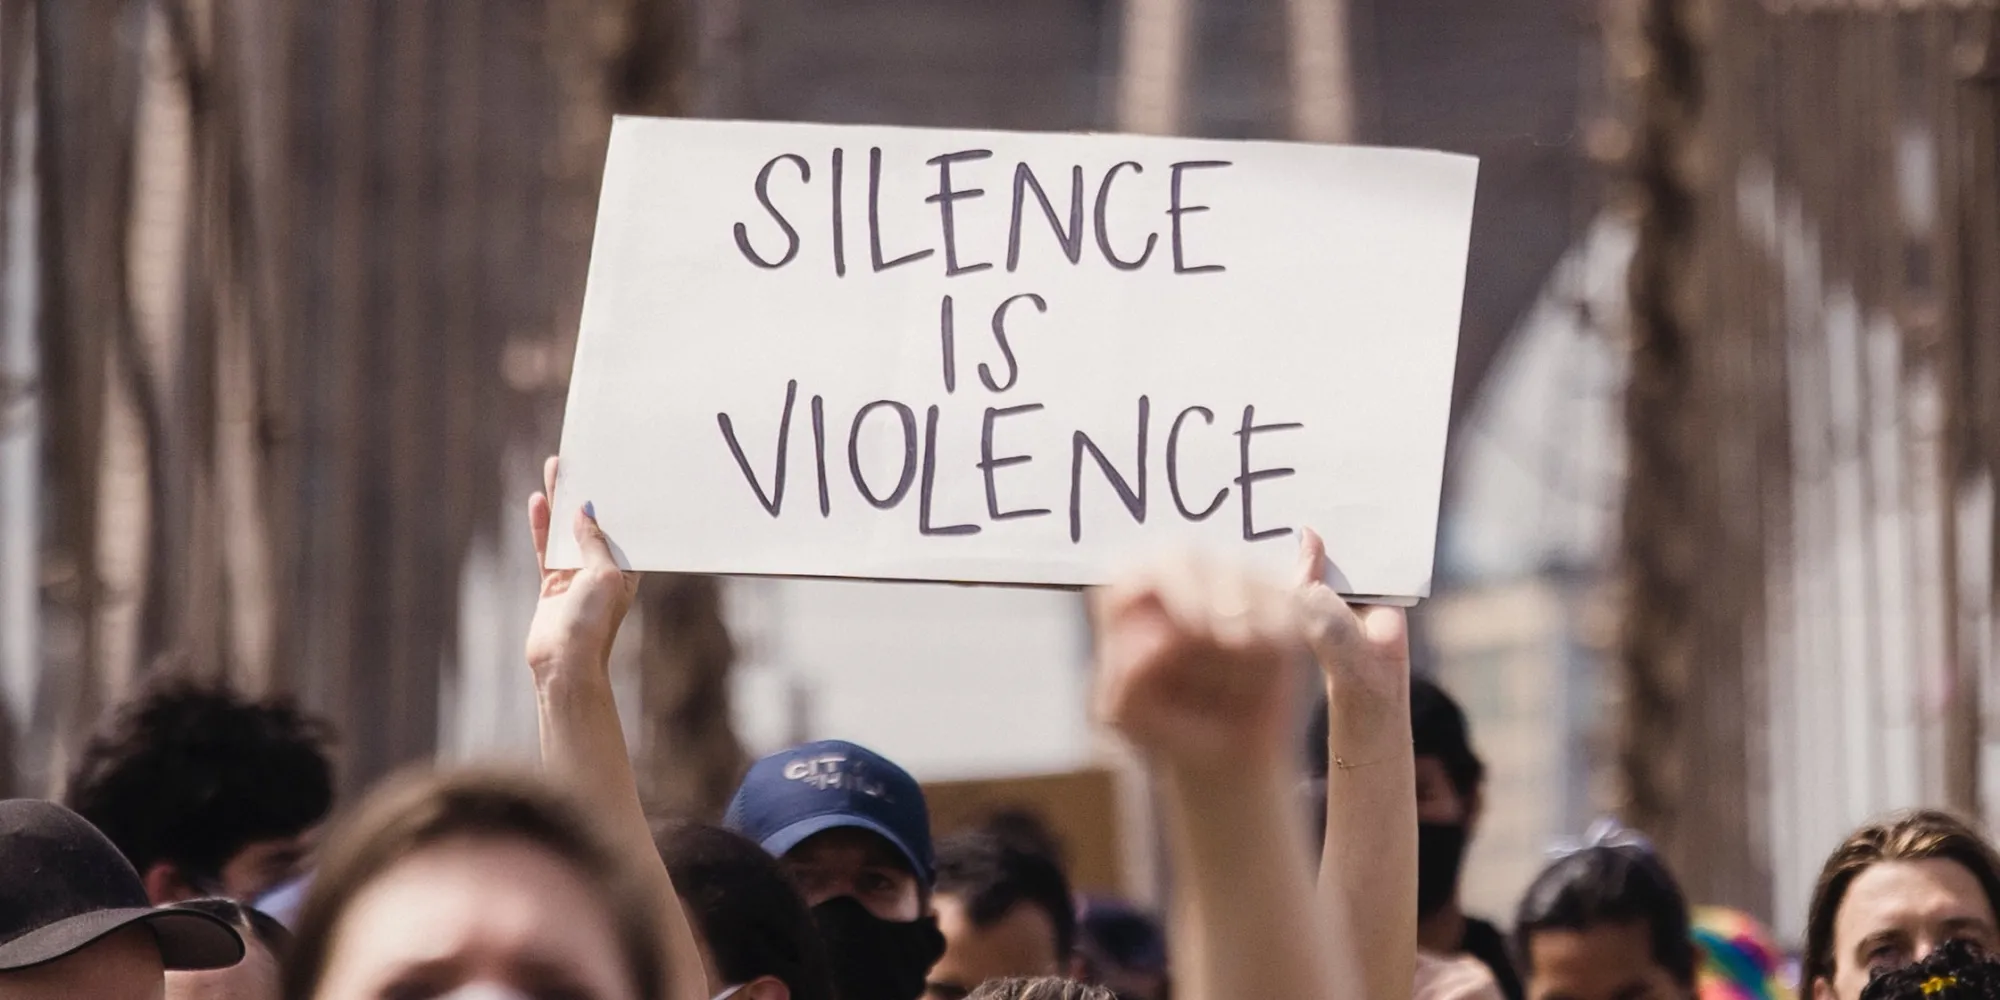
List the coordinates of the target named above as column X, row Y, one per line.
column 1364, row 654
column 1194, row 664
column 580, row 610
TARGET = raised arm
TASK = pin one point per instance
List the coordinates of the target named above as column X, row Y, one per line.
column 1369, row 864
column 583, row 745
column 1195, row 670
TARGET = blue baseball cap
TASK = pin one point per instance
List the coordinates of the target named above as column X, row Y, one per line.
column 830, row 785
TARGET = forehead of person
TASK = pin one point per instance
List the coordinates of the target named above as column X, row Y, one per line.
column 851, row 861
column 499, row 911
column 256, row 977
column 124, row 964
column 1897, row 912
column 1021, row 942
column 1606, row 961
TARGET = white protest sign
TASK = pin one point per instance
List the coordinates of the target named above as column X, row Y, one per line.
column 815, row 350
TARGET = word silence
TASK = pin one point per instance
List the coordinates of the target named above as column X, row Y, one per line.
column 1010, row 357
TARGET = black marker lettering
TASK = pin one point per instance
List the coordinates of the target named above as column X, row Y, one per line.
column 1006, row 349
column 1175, row 209
column 988, row 463
column 1250, row 476
column 944, row 198
column 776, row 499
column 1134, row 500
column 1071, row 238
column 819, row 453
column 1174, row 472
column 930, row 478
column 875, row 217
column 1104, row 225
column 839, row 214
column 948, row 345
column 764, row 199
column 909, row 454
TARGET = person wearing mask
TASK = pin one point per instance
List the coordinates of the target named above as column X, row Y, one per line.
column 1606, row 921
column 756, row 937
column 1194, row 671
column 1894, row 892
column 479, row 885
column 75, row 921
column 265, row 944
column 1006, row 912
column 852, row 830
column 1450, row 781
column 207, row 793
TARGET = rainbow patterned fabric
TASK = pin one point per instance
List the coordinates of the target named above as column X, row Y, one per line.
column 1739, row 958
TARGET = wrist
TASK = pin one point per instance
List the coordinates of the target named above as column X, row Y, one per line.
column 563, row 672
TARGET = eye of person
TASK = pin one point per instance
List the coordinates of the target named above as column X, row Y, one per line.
column 1886, row 955
column 877, row 881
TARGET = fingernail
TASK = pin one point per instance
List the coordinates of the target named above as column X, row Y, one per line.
column 590, row 510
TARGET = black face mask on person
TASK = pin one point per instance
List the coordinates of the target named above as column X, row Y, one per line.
column 1440, row 854
column 873, row 958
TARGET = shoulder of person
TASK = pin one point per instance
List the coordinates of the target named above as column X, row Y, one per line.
column 1460, row 977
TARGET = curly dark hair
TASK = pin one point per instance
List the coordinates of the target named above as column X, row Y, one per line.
column 190, row 773
column 1959, row 970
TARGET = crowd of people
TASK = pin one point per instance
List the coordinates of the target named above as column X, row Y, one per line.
column 198, row 852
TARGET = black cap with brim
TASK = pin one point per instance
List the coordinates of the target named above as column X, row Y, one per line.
column 188, row 940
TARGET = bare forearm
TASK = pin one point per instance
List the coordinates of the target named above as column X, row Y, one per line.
column 583, row 745
column 1369, row 866
column 1246, row 922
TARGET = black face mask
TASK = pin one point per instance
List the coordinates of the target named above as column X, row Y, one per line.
column 873, row 958
column 1440, row 853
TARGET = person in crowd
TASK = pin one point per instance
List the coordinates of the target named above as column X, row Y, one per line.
column 1006, row 913
column 1122, row 948
column 207, row 792
column 265, row 945
column 756, row 937
column 1450, row 797
column 478, row 884
column 75, row 921
column 1740, row 958
column 1894, row 892
column 1042, row 988
column 1193, row 670
column 1024, row 829
column 853, row 831
column 1957, row 970
column 1606, row 921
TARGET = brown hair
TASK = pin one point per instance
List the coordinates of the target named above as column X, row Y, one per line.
column 420, row 809
column 1039, row 988
column 1912, row 836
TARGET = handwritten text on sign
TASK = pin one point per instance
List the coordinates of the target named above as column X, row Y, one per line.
column 900, row 353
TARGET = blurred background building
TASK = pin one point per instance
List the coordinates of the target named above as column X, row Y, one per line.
column 288, row 291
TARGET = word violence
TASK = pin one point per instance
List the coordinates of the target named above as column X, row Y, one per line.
column 1088, row 460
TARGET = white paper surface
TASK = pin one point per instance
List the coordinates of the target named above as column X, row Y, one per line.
column 1336, row 310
